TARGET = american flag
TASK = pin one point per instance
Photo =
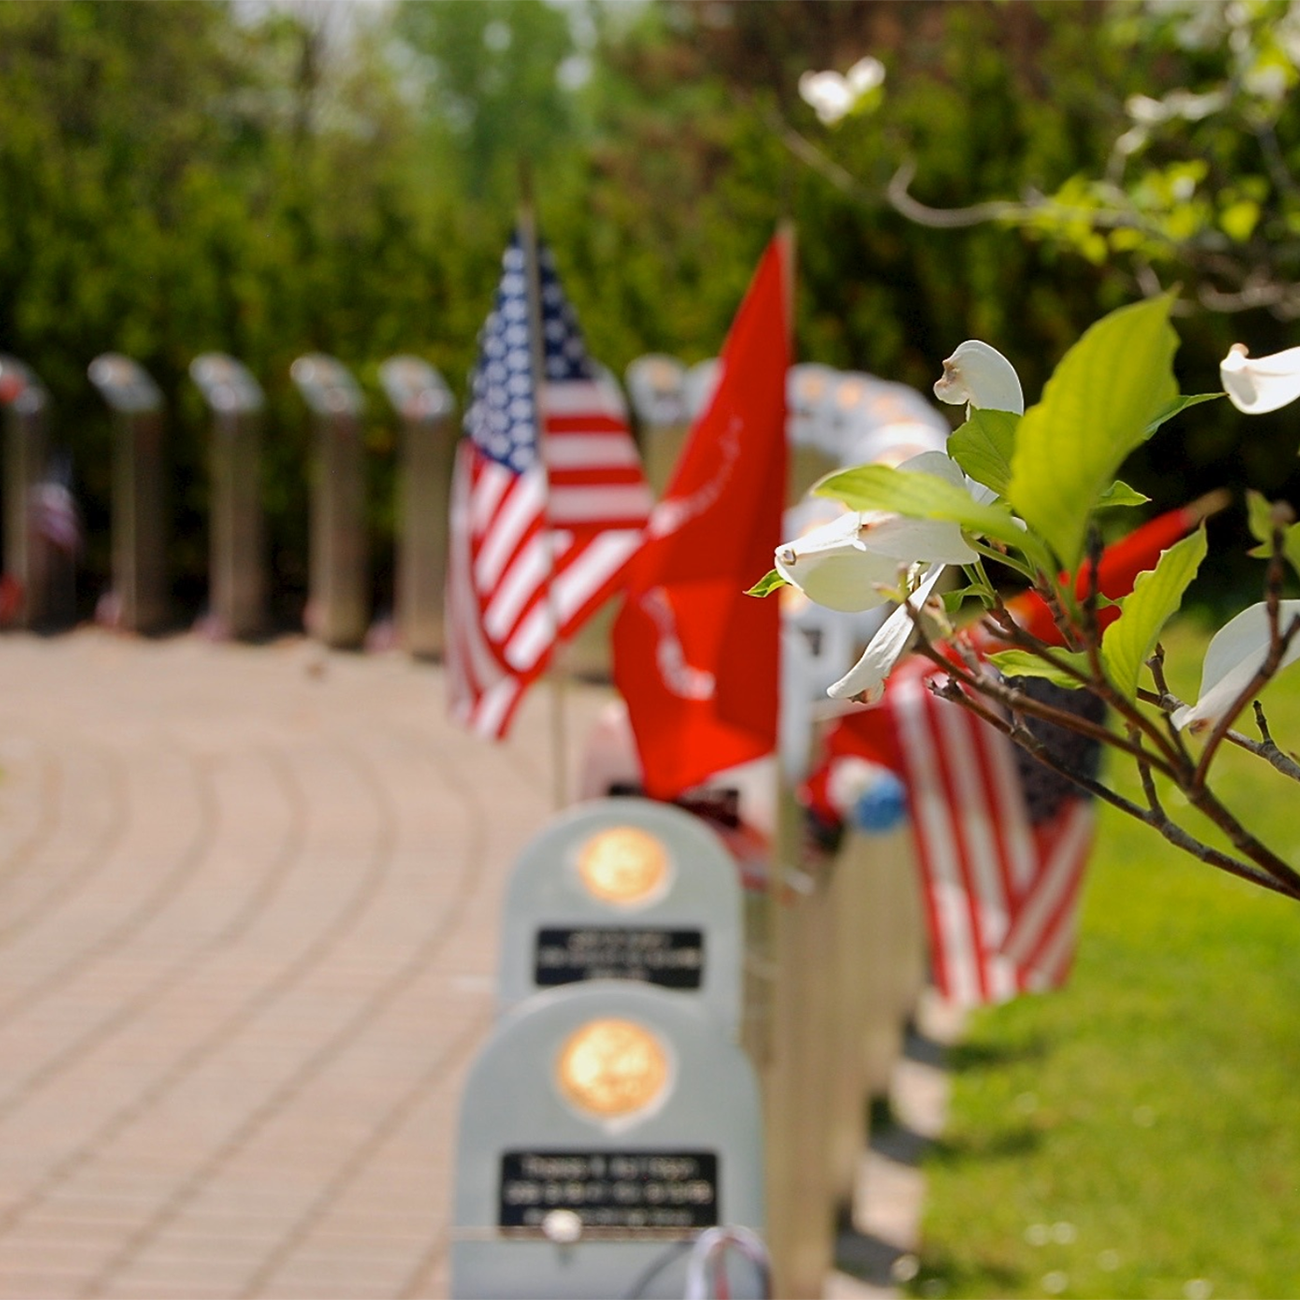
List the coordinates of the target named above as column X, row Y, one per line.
column 548, row 498
column 1000, row 875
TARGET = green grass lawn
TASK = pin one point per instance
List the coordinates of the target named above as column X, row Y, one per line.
column 1138, row 1134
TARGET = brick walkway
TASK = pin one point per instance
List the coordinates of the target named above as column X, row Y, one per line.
column 248, row 918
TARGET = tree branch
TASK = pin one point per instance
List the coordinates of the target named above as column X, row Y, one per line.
column 1153, row 816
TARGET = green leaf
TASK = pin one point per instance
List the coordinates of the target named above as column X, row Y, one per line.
column 1157, row 594
column 1096, row 408
column 1178, row 405
column 1021, row 663
column 983, row 447
column 767, row 584
column 954, row 600
column 1259, row 514
column 1238, row 220
column 1120, row 494
column 1259, row 518
column 921, row 496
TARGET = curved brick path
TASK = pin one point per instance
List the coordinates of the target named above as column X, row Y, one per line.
column 248, row 919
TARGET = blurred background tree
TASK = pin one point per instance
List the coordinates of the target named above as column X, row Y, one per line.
column 271, row 179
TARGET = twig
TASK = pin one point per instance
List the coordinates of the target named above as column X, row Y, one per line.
column 1179, row 771
column 1266, row 749
column 820, row 162
column 1011, row 698
column 949, row 218
column 1278, row 641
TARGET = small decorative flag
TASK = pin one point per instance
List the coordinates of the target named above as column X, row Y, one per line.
column 548, row 498
column 697, row 660
column 1001, row 871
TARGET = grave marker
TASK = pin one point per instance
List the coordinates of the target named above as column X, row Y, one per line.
column 26, row 403
column 138, row 599
column 603, row 1126
column 656, row 385
column 881, row 422
column 421, row 398
column 625, row 888
column 810, row 425
column 338, row 606
column 236, row 534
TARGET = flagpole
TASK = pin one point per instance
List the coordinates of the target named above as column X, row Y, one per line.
column 785, row 837
column 795, row 1061
column 537, row 361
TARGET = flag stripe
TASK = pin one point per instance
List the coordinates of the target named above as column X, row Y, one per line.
column 524, row 578
column 570, row 450
column 511, row 526
column 583, row 399
column 1048, row 911
column 579, row 505
column 954, row 941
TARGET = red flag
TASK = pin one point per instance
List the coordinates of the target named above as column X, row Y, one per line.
column 695, row 658
column 541, row 527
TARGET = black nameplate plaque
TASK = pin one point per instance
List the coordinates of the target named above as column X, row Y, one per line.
column 624, row 1193
column 672, row 959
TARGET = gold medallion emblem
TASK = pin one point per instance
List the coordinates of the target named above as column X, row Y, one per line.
column 612, row 1067
column 623, row 865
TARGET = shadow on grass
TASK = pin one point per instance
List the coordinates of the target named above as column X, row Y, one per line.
column 1007, row 1144
column 940, row 1274
column 965, row 1058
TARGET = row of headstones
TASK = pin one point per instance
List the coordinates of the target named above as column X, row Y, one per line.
column 338, row 597
column 611, row 1130
column 836, row 418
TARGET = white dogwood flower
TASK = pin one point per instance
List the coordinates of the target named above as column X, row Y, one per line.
column 832, row 96
column 866, row 679
column 1235, row 654
column 844, row 563
column 1262, row 384
column 982, row 377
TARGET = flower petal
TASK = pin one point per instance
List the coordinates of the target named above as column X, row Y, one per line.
column 1263, row 384
column 922, row 539
column 867, row 677
column 917, row 539
column 831, row 566
column 1235, row 654
column 982, row 377
column 829, row 95
column 938, row 463
column 866, row 74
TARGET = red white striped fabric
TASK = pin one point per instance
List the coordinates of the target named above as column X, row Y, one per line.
column 1001, row 894
column 541, row 528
